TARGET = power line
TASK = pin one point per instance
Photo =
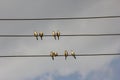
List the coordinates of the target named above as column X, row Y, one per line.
column 59, row 18
column 115, row 54
column 117, row 34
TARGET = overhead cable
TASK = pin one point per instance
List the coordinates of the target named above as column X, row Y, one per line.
column 58, row 18
column 111, row 54
column 115, row 34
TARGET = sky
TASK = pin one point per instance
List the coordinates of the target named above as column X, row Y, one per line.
column 83, row 68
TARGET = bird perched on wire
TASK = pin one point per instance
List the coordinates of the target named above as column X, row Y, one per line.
column 41, row 35
column 66, row 54
column 36, row 35
column 73, row 54
column 54, row 35
column 58, row 34
column 56, row 54
column 53, row 54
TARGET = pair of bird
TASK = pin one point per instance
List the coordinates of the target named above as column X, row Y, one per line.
column 40, row 34
column 54, row 34
column 54, row 54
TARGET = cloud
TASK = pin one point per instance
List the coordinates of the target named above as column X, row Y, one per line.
column 108, row 72
column 56, row 76
column 73, row 76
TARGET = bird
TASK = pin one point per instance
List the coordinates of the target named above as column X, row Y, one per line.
column 41, row 35
column 73, row 54
column 36, row 35
column 53, row 54
column 54, row 35
column 58, row 34
column 66, row 54
column 56, row 54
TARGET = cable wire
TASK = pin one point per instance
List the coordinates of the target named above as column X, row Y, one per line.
column 112, row 54
column 59, row 18
column 117, row 34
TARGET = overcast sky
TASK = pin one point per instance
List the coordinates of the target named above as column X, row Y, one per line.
column 83, row 68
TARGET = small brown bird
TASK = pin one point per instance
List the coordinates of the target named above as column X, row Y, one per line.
column 73, row 54
column 36, row 35
column 41, row 35
column 66, row 54
column 53, row 54
column 58, row 34
column 56, row 54
column 54, row 35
